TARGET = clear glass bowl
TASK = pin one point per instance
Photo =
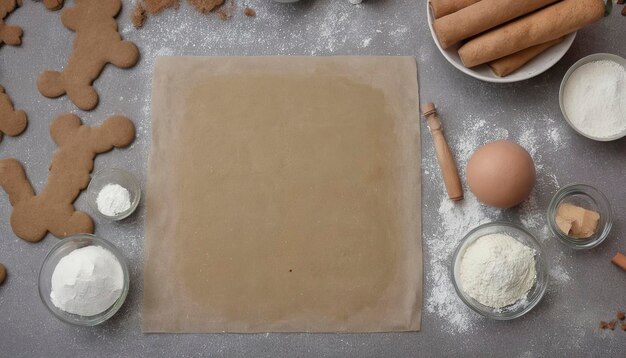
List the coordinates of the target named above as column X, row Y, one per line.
column 114, row 176
column 535, row 294
column 62, row 249
column 568, row 74
column 589, row 198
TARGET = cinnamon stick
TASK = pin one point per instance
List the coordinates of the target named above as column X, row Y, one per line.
column 508, row 64
column 547, row 24
column 480, row 17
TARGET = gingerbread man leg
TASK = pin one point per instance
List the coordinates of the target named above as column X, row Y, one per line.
column 124, row 55
column 51, row 84
column 83, row 95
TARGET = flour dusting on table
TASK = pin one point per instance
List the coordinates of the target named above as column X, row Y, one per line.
column 452, row 221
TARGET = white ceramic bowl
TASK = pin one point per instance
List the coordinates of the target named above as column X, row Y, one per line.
column 533, row 68
column 582, row 61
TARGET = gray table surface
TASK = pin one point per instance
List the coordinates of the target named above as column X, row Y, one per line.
column 585, row 287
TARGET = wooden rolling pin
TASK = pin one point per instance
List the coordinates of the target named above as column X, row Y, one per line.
column 444, row 156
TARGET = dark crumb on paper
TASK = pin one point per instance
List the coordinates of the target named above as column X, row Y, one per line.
column 604, row 325
column 624, row 327
column 620, row 315
column 139, row 16
column 290, row 270
column 249, row 12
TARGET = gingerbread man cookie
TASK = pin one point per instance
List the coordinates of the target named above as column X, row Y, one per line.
column 97, row 43
column 10, row 35
column 52, row 210
column 12, row 122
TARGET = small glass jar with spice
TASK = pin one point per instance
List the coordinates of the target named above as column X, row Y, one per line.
column 580, row 216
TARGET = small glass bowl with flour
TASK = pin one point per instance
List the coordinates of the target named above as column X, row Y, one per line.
column 83, row 280
column 498, row 270
column 113, row 193
column 592, row 97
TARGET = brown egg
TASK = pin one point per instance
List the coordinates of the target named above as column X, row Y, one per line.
column 501, row 174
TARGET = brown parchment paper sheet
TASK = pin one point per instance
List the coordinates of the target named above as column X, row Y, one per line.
column 283, row 195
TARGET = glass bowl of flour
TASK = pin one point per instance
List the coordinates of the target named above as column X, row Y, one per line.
column 113, row 193
column 83, row 280
column 499, row 271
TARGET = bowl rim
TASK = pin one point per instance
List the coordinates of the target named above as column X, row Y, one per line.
column 578, row 188
column 86, row 321
column 600, row 56
column 92, row 195
column 566, row 44
column 539, row 258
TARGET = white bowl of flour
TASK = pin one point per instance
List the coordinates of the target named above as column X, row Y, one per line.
column 593, row 97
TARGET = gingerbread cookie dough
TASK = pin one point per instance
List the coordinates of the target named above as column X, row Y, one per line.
column 97, row 43
column 53, row 4
column 205, row 6
column 156, row 6
column 51, row 210
column 10, row 35
column 12, row 122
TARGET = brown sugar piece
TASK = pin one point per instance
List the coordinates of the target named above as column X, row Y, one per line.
column 138, row 16
column 620, row 315
column 249, row 12
column 577, row 222
column 53, row 4
column 10, row 35
column 97, row 43
column 52, row 209
column 154, row 7
column 206, row 6
column 619, row 260
column 12, row 122
column 3, row 273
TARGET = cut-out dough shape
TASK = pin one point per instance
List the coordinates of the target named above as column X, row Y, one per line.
column 12, row 122
column 97, row 43
column 52, row 210
column 53, row 4
column 10, row 35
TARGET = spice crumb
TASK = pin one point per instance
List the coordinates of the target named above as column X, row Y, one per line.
column 138, row 16
column 623, row 326
column 223, row 15
column 612, row 324
column 620, row 315
column 249, row 12
column 604, row 325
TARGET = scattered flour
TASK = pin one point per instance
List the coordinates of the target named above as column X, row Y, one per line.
column 453, row 220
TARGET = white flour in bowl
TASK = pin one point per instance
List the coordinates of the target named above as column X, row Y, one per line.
column 594, row 98
column 497, row 270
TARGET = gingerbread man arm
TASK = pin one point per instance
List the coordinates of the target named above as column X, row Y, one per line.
column 12, row 122
column 71, row 18
column 124, row 55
